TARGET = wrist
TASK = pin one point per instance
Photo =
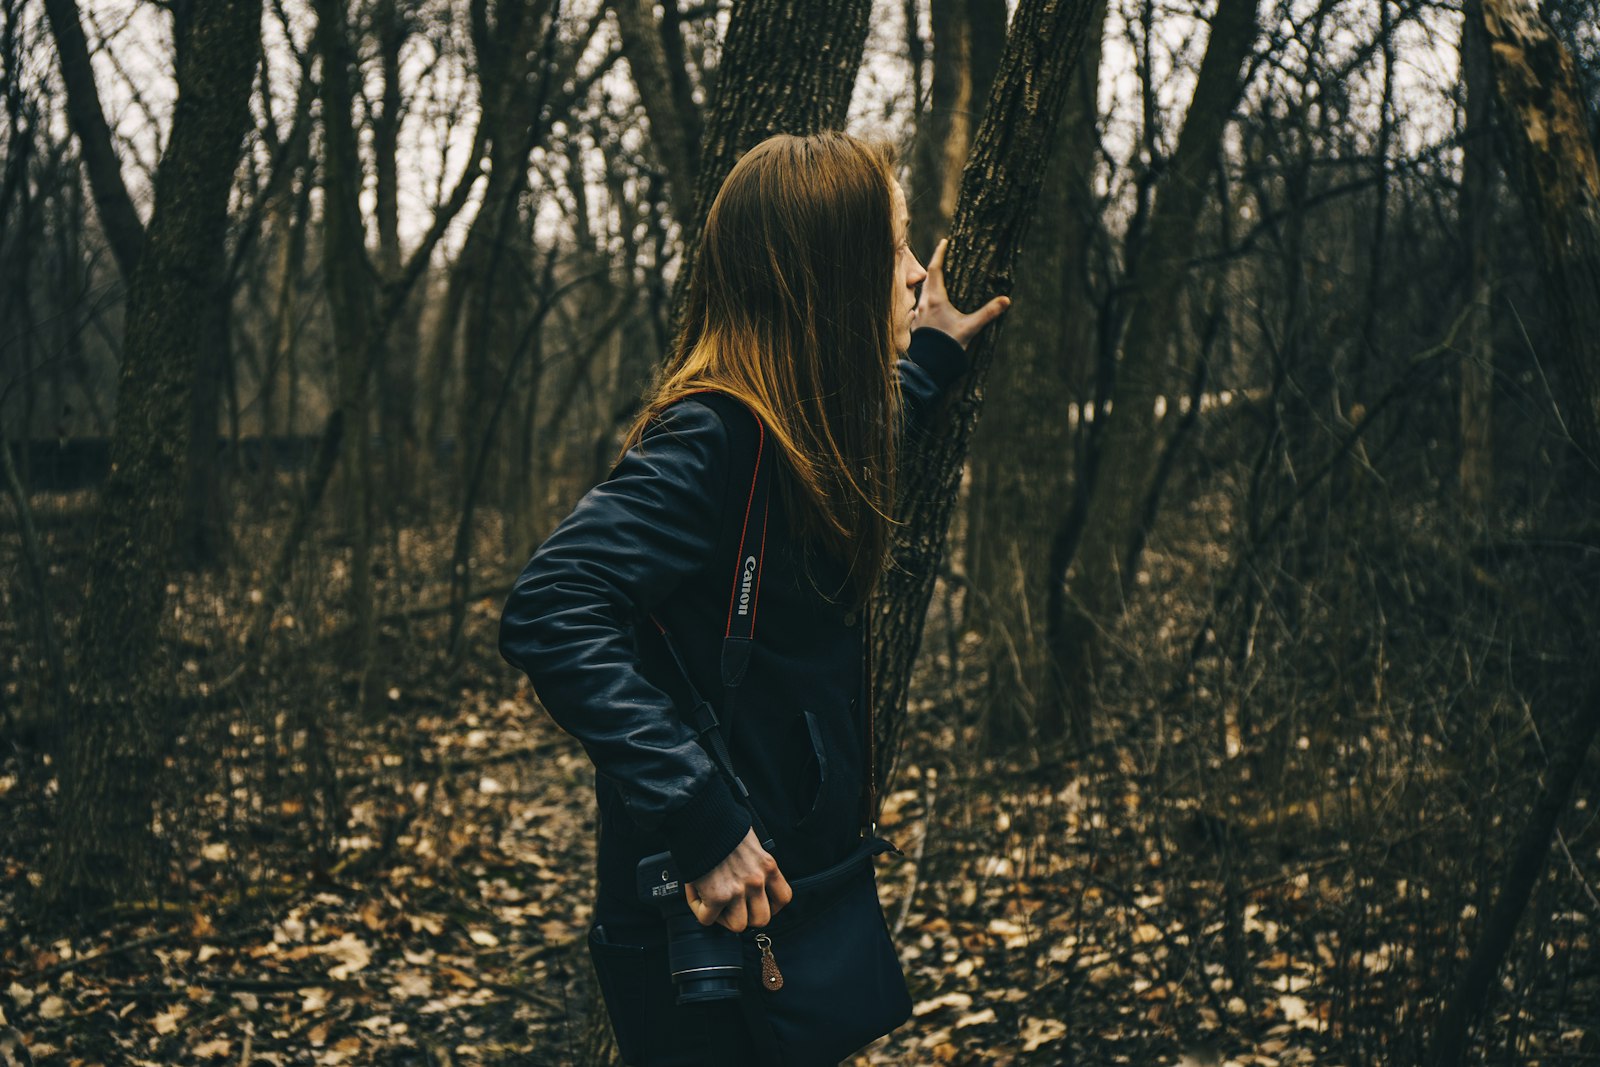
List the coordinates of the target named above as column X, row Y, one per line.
column 706, row 830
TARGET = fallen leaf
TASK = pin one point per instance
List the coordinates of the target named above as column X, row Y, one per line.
column 1037, row 1032
column 167, row 1022
column 351, row 954
column 959, row 1001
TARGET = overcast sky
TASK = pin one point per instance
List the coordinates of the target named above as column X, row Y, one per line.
column 134, row 71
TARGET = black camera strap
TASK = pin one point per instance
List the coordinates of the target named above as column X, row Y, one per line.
column 739, row 636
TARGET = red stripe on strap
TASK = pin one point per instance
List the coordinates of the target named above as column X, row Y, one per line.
column 744, row 536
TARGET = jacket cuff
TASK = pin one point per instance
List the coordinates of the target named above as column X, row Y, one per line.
column 939, row 354
column 704, row 831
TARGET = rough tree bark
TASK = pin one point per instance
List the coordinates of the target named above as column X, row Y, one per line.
column 999, row 189
column 122, row 720
column 787, row 66
column 1021, row 473
column 1560, row 181
column 1096, row 579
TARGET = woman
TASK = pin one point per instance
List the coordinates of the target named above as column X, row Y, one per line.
column 803, row 297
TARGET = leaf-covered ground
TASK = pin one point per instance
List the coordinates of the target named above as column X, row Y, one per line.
column 410, row 885
column 1033, row 929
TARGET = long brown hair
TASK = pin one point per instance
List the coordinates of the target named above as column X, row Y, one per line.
column 790, row 311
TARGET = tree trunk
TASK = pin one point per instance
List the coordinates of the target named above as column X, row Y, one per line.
column 1560, row 181
column 1126, row 456
column 643, row 46
column 351, row 284
column 393, row 21
column 1021, row 474
column 999, row 190
column 1476, row 470
column 119, row 728
column 944, row 127
column 118, row 217
column 787, row 66
column 203, row 533
column 968, row 40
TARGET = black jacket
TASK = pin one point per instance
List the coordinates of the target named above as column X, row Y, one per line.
column 659, row 536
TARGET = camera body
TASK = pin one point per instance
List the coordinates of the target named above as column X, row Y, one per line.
column 707, row 962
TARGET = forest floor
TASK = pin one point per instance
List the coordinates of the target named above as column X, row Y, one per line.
column 1049, row 910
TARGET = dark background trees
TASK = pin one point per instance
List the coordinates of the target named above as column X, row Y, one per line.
column 1237, row 679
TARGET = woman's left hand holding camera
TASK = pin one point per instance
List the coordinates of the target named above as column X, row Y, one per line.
column 745, row 890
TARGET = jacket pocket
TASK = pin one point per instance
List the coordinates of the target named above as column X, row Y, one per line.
column 810, row 786
column 622, row 972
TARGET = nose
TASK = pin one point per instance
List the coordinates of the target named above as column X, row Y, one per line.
column 918, row 274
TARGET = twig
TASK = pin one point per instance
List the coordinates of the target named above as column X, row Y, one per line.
column 930, row 782
column 1577, row 872
column 105, row 953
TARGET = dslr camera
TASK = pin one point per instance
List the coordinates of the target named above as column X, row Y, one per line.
column 707, row 962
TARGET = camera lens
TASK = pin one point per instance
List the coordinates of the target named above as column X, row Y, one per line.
column 707, row 962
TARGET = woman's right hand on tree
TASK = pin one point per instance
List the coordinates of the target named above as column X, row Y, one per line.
column 935, row 309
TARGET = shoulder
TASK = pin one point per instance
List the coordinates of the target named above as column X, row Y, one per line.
column 696, row 443
column 708, row 422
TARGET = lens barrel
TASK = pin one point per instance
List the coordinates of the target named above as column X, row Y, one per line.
column 707, row 962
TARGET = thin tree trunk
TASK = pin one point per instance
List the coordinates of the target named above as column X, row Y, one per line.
column 1476, row 469
column 1126, row 453
column 352, row 283
column 944, row 127
column 120, row 724
column 643, row 46
column 397, row 376
column 118, row 217
column 999, row 190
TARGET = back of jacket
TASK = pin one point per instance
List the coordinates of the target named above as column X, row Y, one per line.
column 659, row 537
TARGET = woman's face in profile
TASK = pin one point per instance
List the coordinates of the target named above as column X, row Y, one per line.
column 908, row 273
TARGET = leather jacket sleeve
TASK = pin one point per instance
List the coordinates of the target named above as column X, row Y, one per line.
column 932, row 364
column 569, row 621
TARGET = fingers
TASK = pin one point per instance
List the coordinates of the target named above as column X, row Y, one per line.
column 757, row 908
column 935, row 267
column 778, row 891
column 735, row 916
column 746, row 890
column 703, row 910
column 991, row 311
